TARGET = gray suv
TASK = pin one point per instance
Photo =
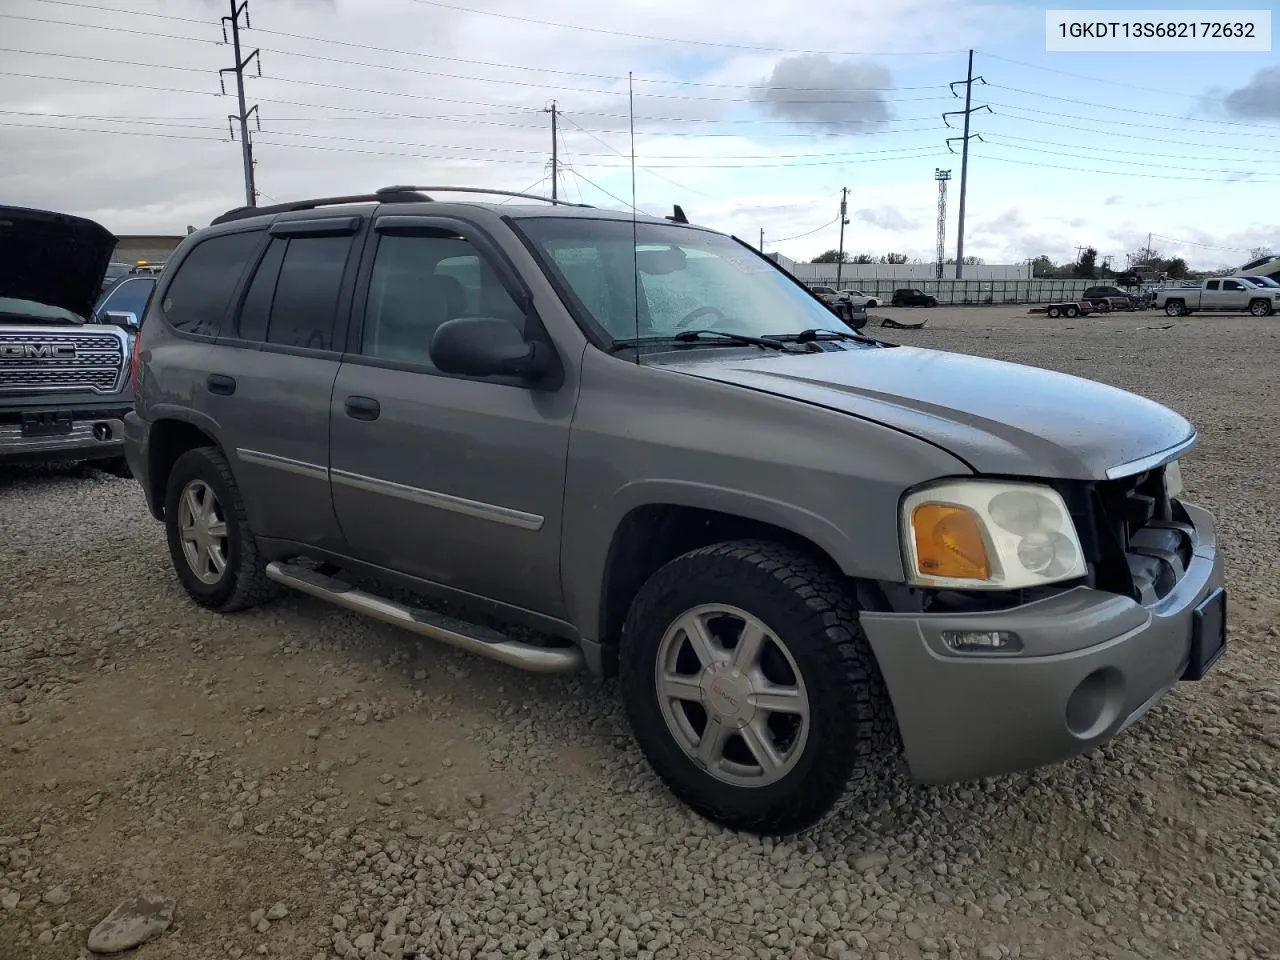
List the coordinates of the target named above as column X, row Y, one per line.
column 563, row 437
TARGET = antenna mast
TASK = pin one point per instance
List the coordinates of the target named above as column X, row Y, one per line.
column 942, row 176
column 635, row 242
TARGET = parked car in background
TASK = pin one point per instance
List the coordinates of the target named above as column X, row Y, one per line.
column 1108, row 298
column 802, row 551
column 115, row 270
column 1259, row 281
column 64, row 388
column 1220, row 295
column 911, row 297
column 859, row 299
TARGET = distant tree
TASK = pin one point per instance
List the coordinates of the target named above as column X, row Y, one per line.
column 831, row 256
column 1257, row 253
column 863, row 258
column 1042, row 266
column 894, row 258
column 1087, row 266
column 973, row 261
column 1175, row 268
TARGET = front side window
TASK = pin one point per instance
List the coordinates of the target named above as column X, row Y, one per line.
column 1231, row 285
column 685, row 278
column 129, row 296
column 197, row 298
column 418, row 282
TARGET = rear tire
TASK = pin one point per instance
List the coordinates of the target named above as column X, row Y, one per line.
column 1072, row 311
column 1174, row 308
column 212, row 548
column 829, row 723
column 1054, row 312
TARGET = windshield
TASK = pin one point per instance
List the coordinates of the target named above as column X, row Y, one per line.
column 1262, row 281
column 687, row 279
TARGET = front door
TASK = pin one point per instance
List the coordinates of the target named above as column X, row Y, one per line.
column 1235, row 296
column 457, row 481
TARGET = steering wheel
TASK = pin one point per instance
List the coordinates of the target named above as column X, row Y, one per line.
column 693, row 315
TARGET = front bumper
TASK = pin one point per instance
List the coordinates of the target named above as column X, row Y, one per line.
column 1092, row 663
column 82, row 435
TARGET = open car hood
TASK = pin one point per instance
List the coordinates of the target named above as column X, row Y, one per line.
column 1001, row 418
column 53, row 258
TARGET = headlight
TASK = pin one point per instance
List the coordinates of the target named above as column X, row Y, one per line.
column 1172, row 480
column 986, row 535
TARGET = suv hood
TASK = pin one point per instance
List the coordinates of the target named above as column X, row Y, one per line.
column 53, row 258
column 1000, row 418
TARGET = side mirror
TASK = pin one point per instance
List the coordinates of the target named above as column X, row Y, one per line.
column 123, row 318
column 487, row 347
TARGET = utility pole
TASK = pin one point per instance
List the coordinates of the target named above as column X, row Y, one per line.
column 246, row 146
column 555, row 153
column 762, row 239
column 844, row 207
column 969, row 109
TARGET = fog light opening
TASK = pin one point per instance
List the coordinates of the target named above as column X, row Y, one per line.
column 102, row 431
column 1095, row 703
column 982, row 641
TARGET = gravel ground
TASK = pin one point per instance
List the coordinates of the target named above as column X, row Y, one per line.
column 303, row 783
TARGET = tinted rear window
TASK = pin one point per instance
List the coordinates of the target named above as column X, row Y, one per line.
column 200, row 292
column 306, row 295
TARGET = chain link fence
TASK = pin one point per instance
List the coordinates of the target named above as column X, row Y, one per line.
column 976, row 292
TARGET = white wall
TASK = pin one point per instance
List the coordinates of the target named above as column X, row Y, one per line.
column 826, row 272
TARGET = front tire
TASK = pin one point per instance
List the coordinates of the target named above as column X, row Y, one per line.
column 1260, row 308
column 751, row 688
column 212, row 548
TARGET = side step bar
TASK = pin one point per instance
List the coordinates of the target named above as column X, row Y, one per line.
column 470, row 637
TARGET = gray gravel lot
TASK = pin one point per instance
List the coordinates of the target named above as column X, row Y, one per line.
column 303, row 783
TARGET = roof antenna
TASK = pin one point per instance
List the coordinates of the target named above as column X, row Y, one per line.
column 635, row 243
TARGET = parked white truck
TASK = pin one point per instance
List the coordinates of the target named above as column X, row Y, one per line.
column 1220, row 295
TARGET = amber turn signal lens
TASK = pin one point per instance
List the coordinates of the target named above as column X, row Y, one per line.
column 949, row 543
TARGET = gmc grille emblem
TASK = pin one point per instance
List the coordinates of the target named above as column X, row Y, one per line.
column 38, row 351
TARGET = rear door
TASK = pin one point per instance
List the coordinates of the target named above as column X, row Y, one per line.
column 270, row 379
column 455, row 480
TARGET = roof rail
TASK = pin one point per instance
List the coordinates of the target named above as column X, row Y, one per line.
column 500, row 193
column 389, row 195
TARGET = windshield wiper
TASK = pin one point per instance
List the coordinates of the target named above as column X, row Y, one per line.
column 821, row 333
column 699, row 336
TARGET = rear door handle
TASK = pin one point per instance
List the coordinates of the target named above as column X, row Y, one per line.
column 222, row 385
column 363, row 408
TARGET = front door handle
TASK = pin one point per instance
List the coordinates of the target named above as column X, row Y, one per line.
column 363, row 408
column 221, row 385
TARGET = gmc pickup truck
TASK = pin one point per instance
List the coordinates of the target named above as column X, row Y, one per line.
column 1220, row 295
column 63, row 385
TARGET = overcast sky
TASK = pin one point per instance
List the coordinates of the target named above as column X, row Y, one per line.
column 752, row 116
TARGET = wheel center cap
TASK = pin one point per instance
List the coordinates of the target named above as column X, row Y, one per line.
column 728, row 695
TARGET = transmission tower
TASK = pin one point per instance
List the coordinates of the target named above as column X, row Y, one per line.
column 942, row 176
column 969, row 110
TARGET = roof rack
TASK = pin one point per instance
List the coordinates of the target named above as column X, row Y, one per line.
column 398, row 194
column 485, row 190
column 386, row 195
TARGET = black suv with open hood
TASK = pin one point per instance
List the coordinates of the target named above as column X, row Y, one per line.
column 64, row 386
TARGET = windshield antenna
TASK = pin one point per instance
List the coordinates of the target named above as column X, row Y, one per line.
column 635, row 243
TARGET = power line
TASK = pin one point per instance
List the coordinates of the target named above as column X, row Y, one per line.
column 807, row 233
column 606, row 192
column 1114, row 109
column 702, row 43
column 1118, row 173
column 1128, row 163
column 1129, row 125
column 484, row 63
